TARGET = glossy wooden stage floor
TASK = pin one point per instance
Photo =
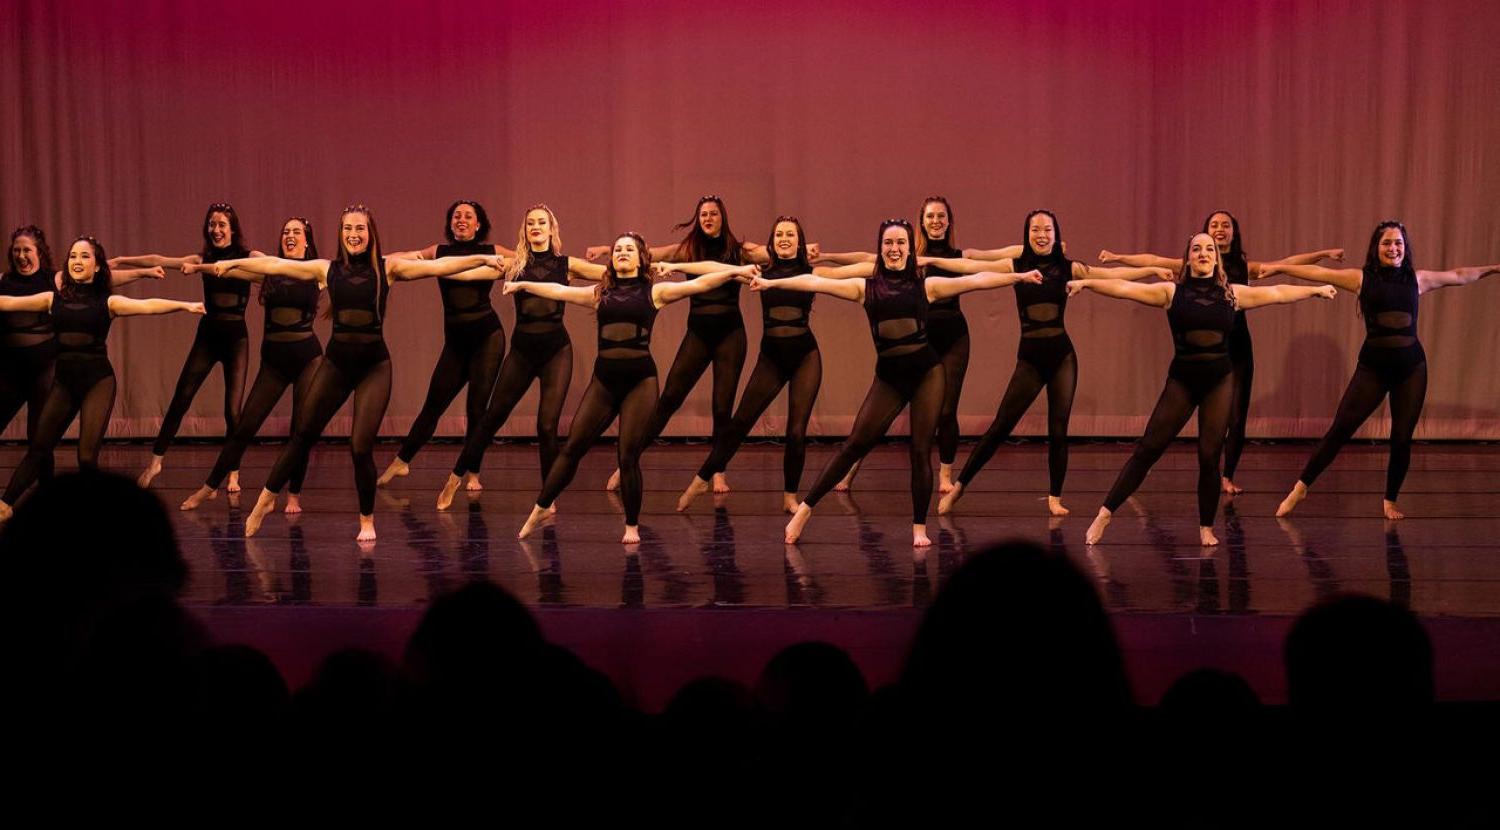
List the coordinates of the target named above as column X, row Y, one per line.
column 303, row 586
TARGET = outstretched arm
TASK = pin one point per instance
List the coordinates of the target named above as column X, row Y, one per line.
column 664, row 293
column 234, row 273
column 845, row 272
column 266, row 266
column 482, row 273
column 577, row 295
column 699, row 268
column 1433, row 280
column 969, row 266
column 852, row 290
column 152, row 261
column 1008, row 252
column 1157, row 293
column 127, row 307
column 125, row 276
column 1139, row 260
column 1349, row 279
column 1087, row 272
column 850, row 258
column 1309, row 258
column 30, row 302
column 416, row 269
column 953, row 286
column 1246, row 297
column 585, row 270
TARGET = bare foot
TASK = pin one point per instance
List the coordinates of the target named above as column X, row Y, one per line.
column 366, row 529
column 471, row 483
column 263, row 505
column 632, row 535
column 848, row 480
column 721, row 483
column 552, row 511
column 201, row 495
column 799, row 521
column 1392, row 512
column 5, row 511
column 1096, row 530
column 1288, row 504
column 538, row 514
column 919, row 536
column 695, row 488
column 397, row 469
column 450, row 489
column 1206, row 537
column 1055, row 506
column 614, row 481
column 945, row 478
column 152, row 470
column 293, row 504
column 1230, row 487
column 234, row 481
column 789, row 502
column 954, row 492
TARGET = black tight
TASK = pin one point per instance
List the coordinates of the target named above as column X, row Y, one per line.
column 217, row 343
column 25, row 379
column 1025, row 385
column 693, row 357
column 1171, row 414
column 265, row 392
column 518, row 371
column 955, row 366
column 1239, row 410
column 881, row 406
column 462, row 362
column 1365, row 392
column 595, row 413
column 332, row 384
column 766, row 381
column 92, row 406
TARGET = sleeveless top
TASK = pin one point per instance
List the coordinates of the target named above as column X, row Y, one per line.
column 1388, row 300
column 21, row 329
column 359, row 299
column 225, row 298
column 82, row 325
column 725, row 298
column 465, row 300
column 539, row 315
column 1201, row 318
column 897, row 311
column 626, row 314
column 1042, row 306
column 291, row 306
column 947, row 307
column 785, row 313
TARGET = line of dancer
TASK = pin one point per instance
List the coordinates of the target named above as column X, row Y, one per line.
column 53, row 324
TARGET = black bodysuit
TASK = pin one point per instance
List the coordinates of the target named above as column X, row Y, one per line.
column 27, row 349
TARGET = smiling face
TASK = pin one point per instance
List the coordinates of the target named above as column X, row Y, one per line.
column 25, row 256
column 354, row 232
column 219, row 231
column 538, row 229
column 294, row 239
column 711, row 218
column 1203, row 255
column 1391, row 248
column 1041, row 232
column 935, row 220
column 785, row 241
column 463, row 222
column 895, row 247
column 626, row 257
column 82, row 264
column 1221, row 228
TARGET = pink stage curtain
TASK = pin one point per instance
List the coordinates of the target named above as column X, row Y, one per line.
column 1132, row 120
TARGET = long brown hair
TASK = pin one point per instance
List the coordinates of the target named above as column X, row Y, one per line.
column 693, row 247
column 1220, row 275
column 610, row 280
column 370, row 257
column 921, row 236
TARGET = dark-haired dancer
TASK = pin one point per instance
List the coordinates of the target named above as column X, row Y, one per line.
column 1225, row 229
column 624, row 382
column 789, row 357
column 357, row 362
column 540, row 349
column 895, row 297
column 473, row 338
column 222, row 339
column 1044, row 357
column 1392, row 362
column 81, row 309
column 27, row 345
column 1200, row 305
column 715, row 327
column 289, row 357
column 947, row 328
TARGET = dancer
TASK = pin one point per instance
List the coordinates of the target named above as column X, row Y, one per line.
column 1200, row 304
column 1391, row 361
column 540, row 349
column 1225, row 229
column 624, row 382
column 473, row 338
column 1044, row 357
column 715, row 327
column 222, row 339
column 895, row 297
column 289, row 357
column 82, row 309
column 947, row 329
column 789, row 357
column 27, row 347
column 357, row 362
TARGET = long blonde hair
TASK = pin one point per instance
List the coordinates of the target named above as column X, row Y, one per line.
column 1220, row 275
column 522, row 259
